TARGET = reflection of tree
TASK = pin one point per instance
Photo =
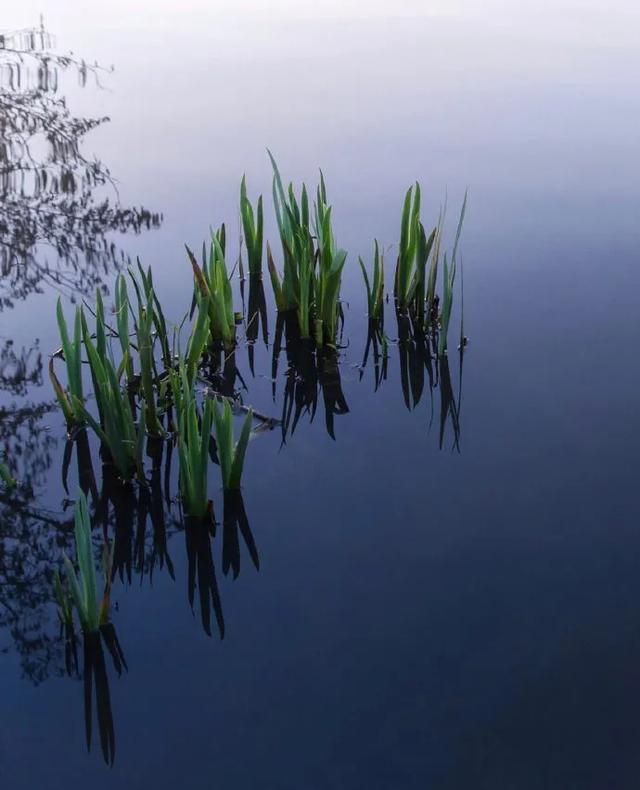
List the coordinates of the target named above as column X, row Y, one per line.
column 19, row 369
column 52, row 196
column 30, row 538
column 57, row 209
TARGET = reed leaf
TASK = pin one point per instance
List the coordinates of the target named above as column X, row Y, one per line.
column 231, row 456
column 119, row 432
column 194, row 434
column 375, row 286
column 406, row 265
column 122, row 323
column 72, row 350
column 253, row 230
column 93, row 608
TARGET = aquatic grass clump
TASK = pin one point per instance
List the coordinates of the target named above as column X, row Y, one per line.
column 449, row 276
column 122, row 324
column 423, row 252
column 412, row 282
column 312, row 272
column 230, row 455
column 118, row 430
column 305, row 258
column 91, row 605
column 293, row 290
column 328, row 277
column 197, row 343
column 72, row 351
column 417, row 270
column 405, row 279
column 146, row 295
column 431, row 298
column 213, row 283
column 194, row 436
column 144, row 323
column 375, row 286
column 252, row 227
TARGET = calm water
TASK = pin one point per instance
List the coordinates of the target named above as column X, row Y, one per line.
column 449, row 613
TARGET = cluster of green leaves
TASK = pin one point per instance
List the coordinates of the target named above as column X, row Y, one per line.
column 230, row 454
column 149, row 317
column 194, row 436
column 413, row 253
column 331, row 262
column 449, row 276
column 118, row 429
column 375, row 286
column 417, row 270
column 213, row 284
column 72, row 352
column 82, row 591
column 292, row 291
column 116, row 426
column 313, row 264
column 252, row 227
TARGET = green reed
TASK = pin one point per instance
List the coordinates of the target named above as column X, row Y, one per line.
column 375, row 286
column 194, row 435
column 198, row 340
column 423, row 252
column 449, row 276
column 230, row 455
column 312, row 273
column 145, row 293
column 431, row 304
column 405, row 279
column 252, row 227
column 213, row 283
column 118, row 430
column 328, row 276
column 145, row 323
column 122, row 324
column 91, row 605
column 72, row 351
column 293, row 290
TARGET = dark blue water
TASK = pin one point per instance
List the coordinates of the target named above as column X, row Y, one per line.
column 455, row 612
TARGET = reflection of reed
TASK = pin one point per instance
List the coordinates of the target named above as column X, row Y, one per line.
column 309, row 371
column 201, row 574
column 419, row 364
column 95, row 676
column 235, row 520
column 257, row 322
column 376, row 345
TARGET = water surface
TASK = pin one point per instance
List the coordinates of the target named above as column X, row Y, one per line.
column 432, row 613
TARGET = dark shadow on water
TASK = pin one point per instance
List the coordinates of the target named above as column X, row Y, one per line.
column 310, row 371
column 96, row 683
column 376, row 345
column 420, row 368
column 201, row 573
column 235, row 521
column 257, row 321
